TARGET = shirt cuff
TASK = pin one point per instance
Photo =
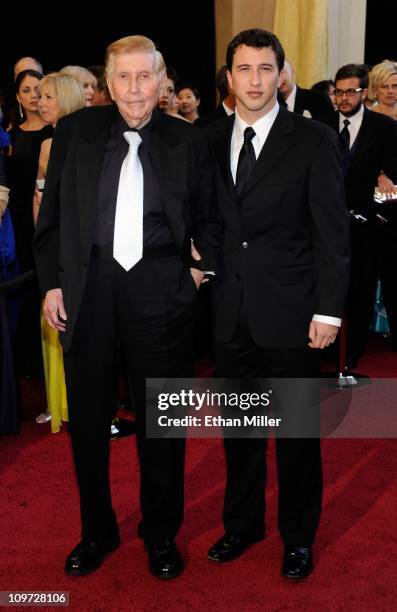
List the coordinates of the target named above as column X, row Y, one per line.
column 325, row 319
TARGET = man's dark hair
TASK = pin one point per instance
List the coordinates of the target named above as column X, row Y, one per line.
column 99, row 73
column 21, row 76
column 221, row 83
column 257, row 38
column 323, row 86
column 360, row 71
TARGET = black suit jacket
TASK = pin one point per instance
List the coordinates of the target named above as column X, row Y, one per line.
column 285, row 247
column 316, row 103
column 375, row 150
column 216, row 115
column 65, row 227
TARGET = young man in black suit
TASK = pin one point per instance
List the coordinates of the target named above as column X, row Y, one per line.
column 281, row 290
column 127, row 188
column 369, row 146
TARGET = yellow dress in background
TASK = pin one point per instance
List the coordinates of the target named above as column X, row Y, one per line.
column 54, row 375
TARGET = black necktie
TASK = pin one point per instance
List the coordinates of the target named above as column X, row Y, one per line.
column 246, row 161
column 344, row 138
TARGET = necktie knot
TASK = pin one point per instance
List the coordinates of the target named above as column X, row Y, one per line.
column 133, row 139
column 346, row 122
column 249, row 133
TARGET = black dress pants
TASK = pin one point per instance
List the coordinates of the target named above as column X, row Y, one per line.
column 298, row 459
column 148, row 313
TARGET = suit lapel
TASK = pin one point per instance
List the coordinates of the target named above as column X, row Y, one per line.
column 170, row 155
column 277, row 143
column 299, row 101
column 229, row 204
column 222, row 151
column 363, row 137
column 90, row 150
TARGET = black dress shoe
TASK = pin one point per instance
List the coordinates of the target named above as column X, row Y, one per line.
column 165, row 560
column 87, row 556
column 297, row 562
column 230, row 546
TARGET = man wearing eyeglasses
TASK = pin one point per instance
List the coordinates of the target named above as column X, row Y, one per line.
column 368, row 143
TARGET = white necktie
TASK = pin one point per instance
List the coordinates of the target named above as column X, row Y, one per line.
column 128, row 225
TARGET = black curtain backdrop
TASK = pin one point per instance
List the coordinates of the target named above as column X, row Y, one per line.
column 185, row 34
column 381, row 28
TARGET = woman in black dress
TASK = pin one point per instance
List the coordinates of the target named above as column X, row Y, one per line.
column 26, row 141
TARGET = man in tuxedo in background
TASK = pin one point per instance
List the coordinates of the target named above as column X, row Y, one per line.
column 369, row 147
column 127, row 188
column 303, row 101
column 227, row 101
column 281, row 288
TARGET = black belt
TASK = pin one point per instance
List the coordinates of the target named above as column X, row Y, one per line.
column 105, row 251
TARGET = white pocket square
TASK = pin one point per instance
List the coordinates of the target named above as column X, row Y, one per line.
column 307, row 114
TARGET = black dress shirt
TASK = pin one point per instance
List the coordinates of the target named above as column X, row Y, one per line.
column 155, row 228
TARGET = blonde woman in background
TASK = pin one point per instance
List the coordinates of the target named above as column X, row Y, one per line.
column 382, row 91
column 86, row 78
column 383, row 88
column 60, row 94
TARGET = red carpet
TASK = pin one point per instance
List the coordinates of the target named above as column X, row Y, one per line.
column 354, row 553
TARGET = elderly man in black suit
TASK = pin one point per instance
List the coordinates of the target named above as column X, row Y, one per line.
column 284, row 275
column 369, row 147
column 303, row 101
column 127, row 189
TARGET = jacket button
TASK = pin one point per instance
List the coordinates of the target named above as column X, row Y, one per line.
column 238, row 277
column 245, row 244
column 85, row 263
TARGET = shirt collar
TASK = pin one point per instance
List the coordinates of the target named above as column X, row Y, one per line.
column 122, row 126
column 227, row 110
column 355, row 119
column 261, row 126
column 290, row 101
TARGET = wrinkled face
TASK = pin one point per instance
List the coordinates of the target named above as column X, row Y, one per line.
column 254, row 80
column 167, row 95
column 134, row 86
column 188, row 103
column 387, row 92
column 48, row 104
column 287, row 80
column 349, row 102
column 28, row 94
